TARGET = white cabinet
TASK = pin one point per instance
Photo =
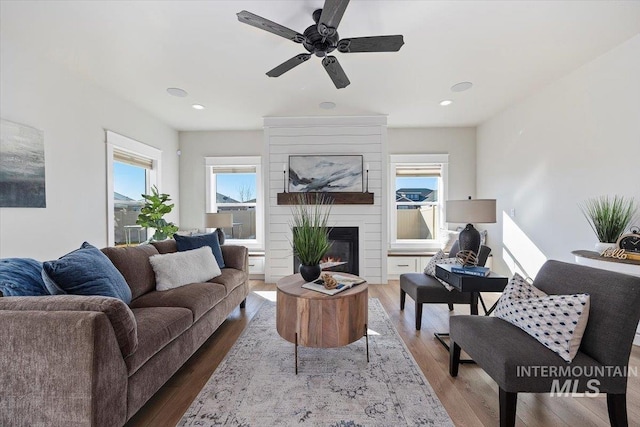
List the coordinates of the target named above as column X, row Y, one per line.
column 256, row 266
column 396, row 265
column 399, row 264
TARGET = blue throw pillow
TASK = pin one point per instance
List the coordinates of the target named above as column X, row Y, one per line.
column 187, row 243
column 85, row 271
column 21, row 277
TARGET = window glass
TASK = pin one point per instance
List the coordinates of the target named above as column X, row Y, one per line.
column 129, row 183
column 236, row 194
column 417, row 205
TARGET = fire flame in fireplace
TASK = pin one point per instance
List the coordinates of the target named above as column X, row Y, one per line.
column 331, row 259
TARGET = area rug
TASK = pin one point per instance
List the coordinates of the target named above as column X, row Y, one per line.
column 255, row 385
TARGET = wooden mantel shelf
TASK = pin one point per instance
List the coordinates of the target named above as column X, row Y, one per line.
column 345, row 198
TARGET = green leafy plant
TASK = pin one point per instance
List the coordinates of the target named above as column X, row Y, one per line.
column 155, row 207
column 310, row 240
column 609, row 217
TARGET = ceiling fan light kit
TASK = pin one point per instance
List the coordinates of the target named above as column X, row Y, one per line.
column 321, row 39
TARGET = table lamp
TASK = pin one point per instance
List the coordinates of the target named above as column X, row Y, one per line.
column 218, row 221
column 470, row 211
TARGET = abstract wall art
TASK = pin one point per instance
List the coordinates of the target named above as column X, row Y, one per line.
column 330, row 173
column 21, row 166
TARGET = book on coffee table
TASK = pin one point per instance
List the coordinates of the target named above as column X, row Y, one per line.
column 344, row 283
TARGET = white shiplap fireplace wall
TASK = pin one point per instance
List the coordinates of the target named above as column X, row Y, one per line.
column 366, row 136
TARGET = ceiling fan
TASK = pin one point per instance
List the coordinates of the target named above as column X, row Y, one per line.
column 321, row 39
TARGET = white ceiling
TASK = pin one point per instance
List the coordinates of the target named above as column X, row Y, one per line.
column 138, row 49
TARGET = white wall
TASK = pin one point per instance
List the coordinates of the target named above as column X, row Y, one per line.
column 577, row 138
column 459, row 143
column 194, row 147
column 73, row 114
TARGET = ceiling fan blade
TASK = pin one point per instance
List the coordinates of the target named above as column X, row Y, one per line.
column 371, row 44
column 336, row 72
column 272, row 27
column 287, row 65
column 331, row 16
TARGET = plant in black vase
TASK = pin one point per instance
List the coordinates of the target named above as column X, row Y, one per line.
column 155, row 207
column 310, row 241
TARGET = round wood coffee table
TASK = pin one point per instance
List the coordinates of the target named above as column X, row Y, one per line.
column 313, row 319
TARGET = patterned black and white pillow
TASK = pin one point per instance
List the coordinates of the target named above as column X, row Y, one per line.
column 439, row 258
column 556, row 321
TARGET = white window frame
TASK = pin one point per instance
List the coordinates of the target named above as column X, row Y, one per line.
column 117, row 142
column 211, row 205
column 415, row 160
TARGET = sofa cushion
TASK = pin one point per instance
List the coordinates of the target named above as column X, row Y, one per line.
column 118, row 313
column 231, row 278
column 85, row 271
column 157, row 327
column 21, row 277
column 557, row 321
column 181, row 268
column 197, row 297
column 133, row 264
column 186, row 243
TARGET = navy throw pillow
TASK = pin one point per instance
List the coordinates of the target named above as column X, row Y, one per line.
column 85, row 271
column 21, row 277
column 187, row 243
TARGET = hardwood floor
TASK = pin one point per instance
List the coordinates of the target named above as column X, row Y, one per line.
column 471, row 399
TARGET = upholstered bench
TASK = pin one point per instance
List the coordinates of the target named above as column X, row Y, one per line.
column 426, row 289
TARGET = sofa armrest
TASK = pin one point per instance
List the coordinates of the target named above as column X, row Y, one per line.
column 60, row 368
column 120, row 316
column 236, row 257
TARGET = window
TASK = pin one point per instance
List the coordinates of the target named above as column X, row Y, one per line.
column 418, row 192
column 132, row 170
column 234, row 185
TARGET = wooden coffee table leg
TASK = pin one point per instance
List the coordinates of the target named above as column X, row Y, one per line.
column 366, row 337
column 296, row 353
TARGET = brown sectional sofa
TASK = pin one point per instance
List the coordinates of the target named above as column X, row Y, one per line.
column 94, row 361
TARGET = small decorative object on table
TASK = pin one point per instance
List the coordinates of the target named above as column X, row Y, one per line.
column 614, row 253
column 630, row 243
column 467, row 258
column 328, row 281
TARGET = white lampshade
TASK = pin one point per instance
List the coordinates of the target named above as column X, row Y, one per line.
column 471, row 211
column 218, row 220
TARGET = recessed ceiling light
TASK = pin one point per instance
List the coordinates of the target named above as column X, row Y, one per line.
column 198, row 106
column 176, row 91
column 327, row 105
column 461, row 87
column 446, row 102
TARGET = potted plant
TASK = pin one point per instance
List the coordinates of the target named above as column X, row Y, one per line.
column 155, row 207
column 608, row 217
column 310, row 241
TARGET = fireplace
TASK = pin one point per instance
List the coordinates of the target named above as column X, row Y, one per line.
column 343, row 251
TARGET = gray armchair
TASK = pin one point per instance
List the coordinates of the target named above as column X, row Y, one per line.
column 425, row 289
column 519, row 363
